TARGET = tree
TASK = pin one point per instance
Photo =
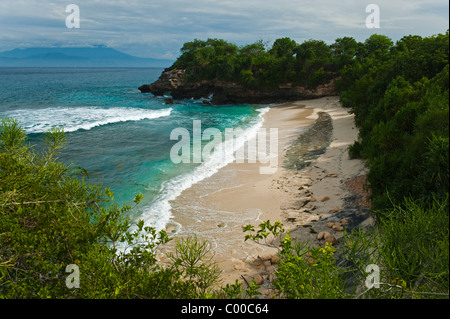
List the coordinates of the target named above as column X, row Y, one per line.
column 378, row 46
column 344, row 52
column 284, row 47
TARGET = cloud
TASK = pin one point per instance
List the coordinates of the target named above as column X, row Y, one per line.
column 158, row 28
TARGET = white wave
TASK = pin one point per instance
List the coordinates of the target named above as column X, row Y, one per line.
column 81, row 118
column 159, row 213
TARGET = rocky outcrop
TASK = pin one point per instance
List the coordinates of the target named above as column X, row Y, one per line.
column 173, row 82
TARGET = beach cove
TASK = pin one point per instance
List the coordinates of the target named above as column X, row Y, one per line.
column 314, row 184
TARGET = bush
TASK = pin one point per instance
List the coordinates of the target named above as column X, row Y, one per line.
column 414, row 244
column 51, row 218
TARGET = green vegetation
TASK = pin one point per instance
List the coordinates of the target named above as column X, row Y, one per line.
column 400, row 97
column 51, row 217
column 410, row 249
column 308, row 64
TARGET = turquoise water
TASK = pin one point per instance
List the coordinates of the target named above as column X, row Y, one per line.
column 121, row 136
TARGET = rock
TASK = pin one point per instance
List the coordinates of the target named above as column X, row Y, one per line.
column 344, row 221
column 257, row 262
column 322, row 235
column 237, row 267
column 330, row 239
column 258, row 280
column 271, row 269
column 272, row 278
column 330, row 224
column 325, row 198
column 168, row 101
column 275, row 260
column 338, row 227
column 265, row 257
column 221, row 225
column 170, row 229
column 173, row 81
column 265, row 292
column 267, row 263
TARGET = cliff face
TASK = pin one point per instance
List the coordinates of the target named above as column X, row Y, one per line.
column 172, row 81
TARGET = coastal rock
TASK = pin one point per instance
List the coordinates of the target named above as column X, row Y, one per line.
column 265, row 257
column 322, row 235
column 257, row 262
column 272, row 277
column 330, row 239
column 258, row 279
column 275, row 260
column 271, row 269
column 337, row 226
column 173, row 81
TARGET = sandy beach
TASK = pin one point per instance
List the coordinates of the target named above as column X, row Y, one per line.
column 303, row 199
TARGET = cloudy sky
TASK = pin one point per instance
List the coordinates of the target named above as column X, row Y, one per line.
column 158, row 28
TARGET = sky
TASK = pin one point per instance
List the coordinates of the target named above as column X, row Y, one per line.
column 158, row 28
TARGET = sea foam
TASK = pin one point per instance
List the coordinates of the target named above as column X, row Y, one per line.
column 159, row 213
column 81, row 118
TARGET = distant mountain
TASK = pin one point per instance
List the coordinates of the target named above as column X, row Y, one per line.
column 98, row 56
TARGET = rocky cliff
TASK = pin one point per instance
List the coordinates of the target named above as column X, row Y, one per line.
column 172, row 81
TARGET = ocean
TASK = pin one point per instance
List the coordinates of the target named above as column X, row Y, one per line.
column 119, row 135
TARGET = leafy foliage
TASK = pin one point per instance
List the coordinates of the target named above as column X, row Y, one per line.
column 400, row 96
column 50, row 217
column 309, row 64
column 309, row 273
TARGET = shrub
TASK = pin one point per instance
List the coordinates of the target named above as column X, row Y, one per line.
column 50, row 217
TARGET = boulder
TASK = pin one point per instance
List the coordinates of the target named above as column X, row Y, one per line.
column 322, row 235
column 275, row 260
column 330, row 239
column 265, row 257
column 258, row 279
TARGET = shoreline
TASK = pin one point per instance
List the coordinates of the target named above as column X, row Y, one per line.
column 216, row 209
